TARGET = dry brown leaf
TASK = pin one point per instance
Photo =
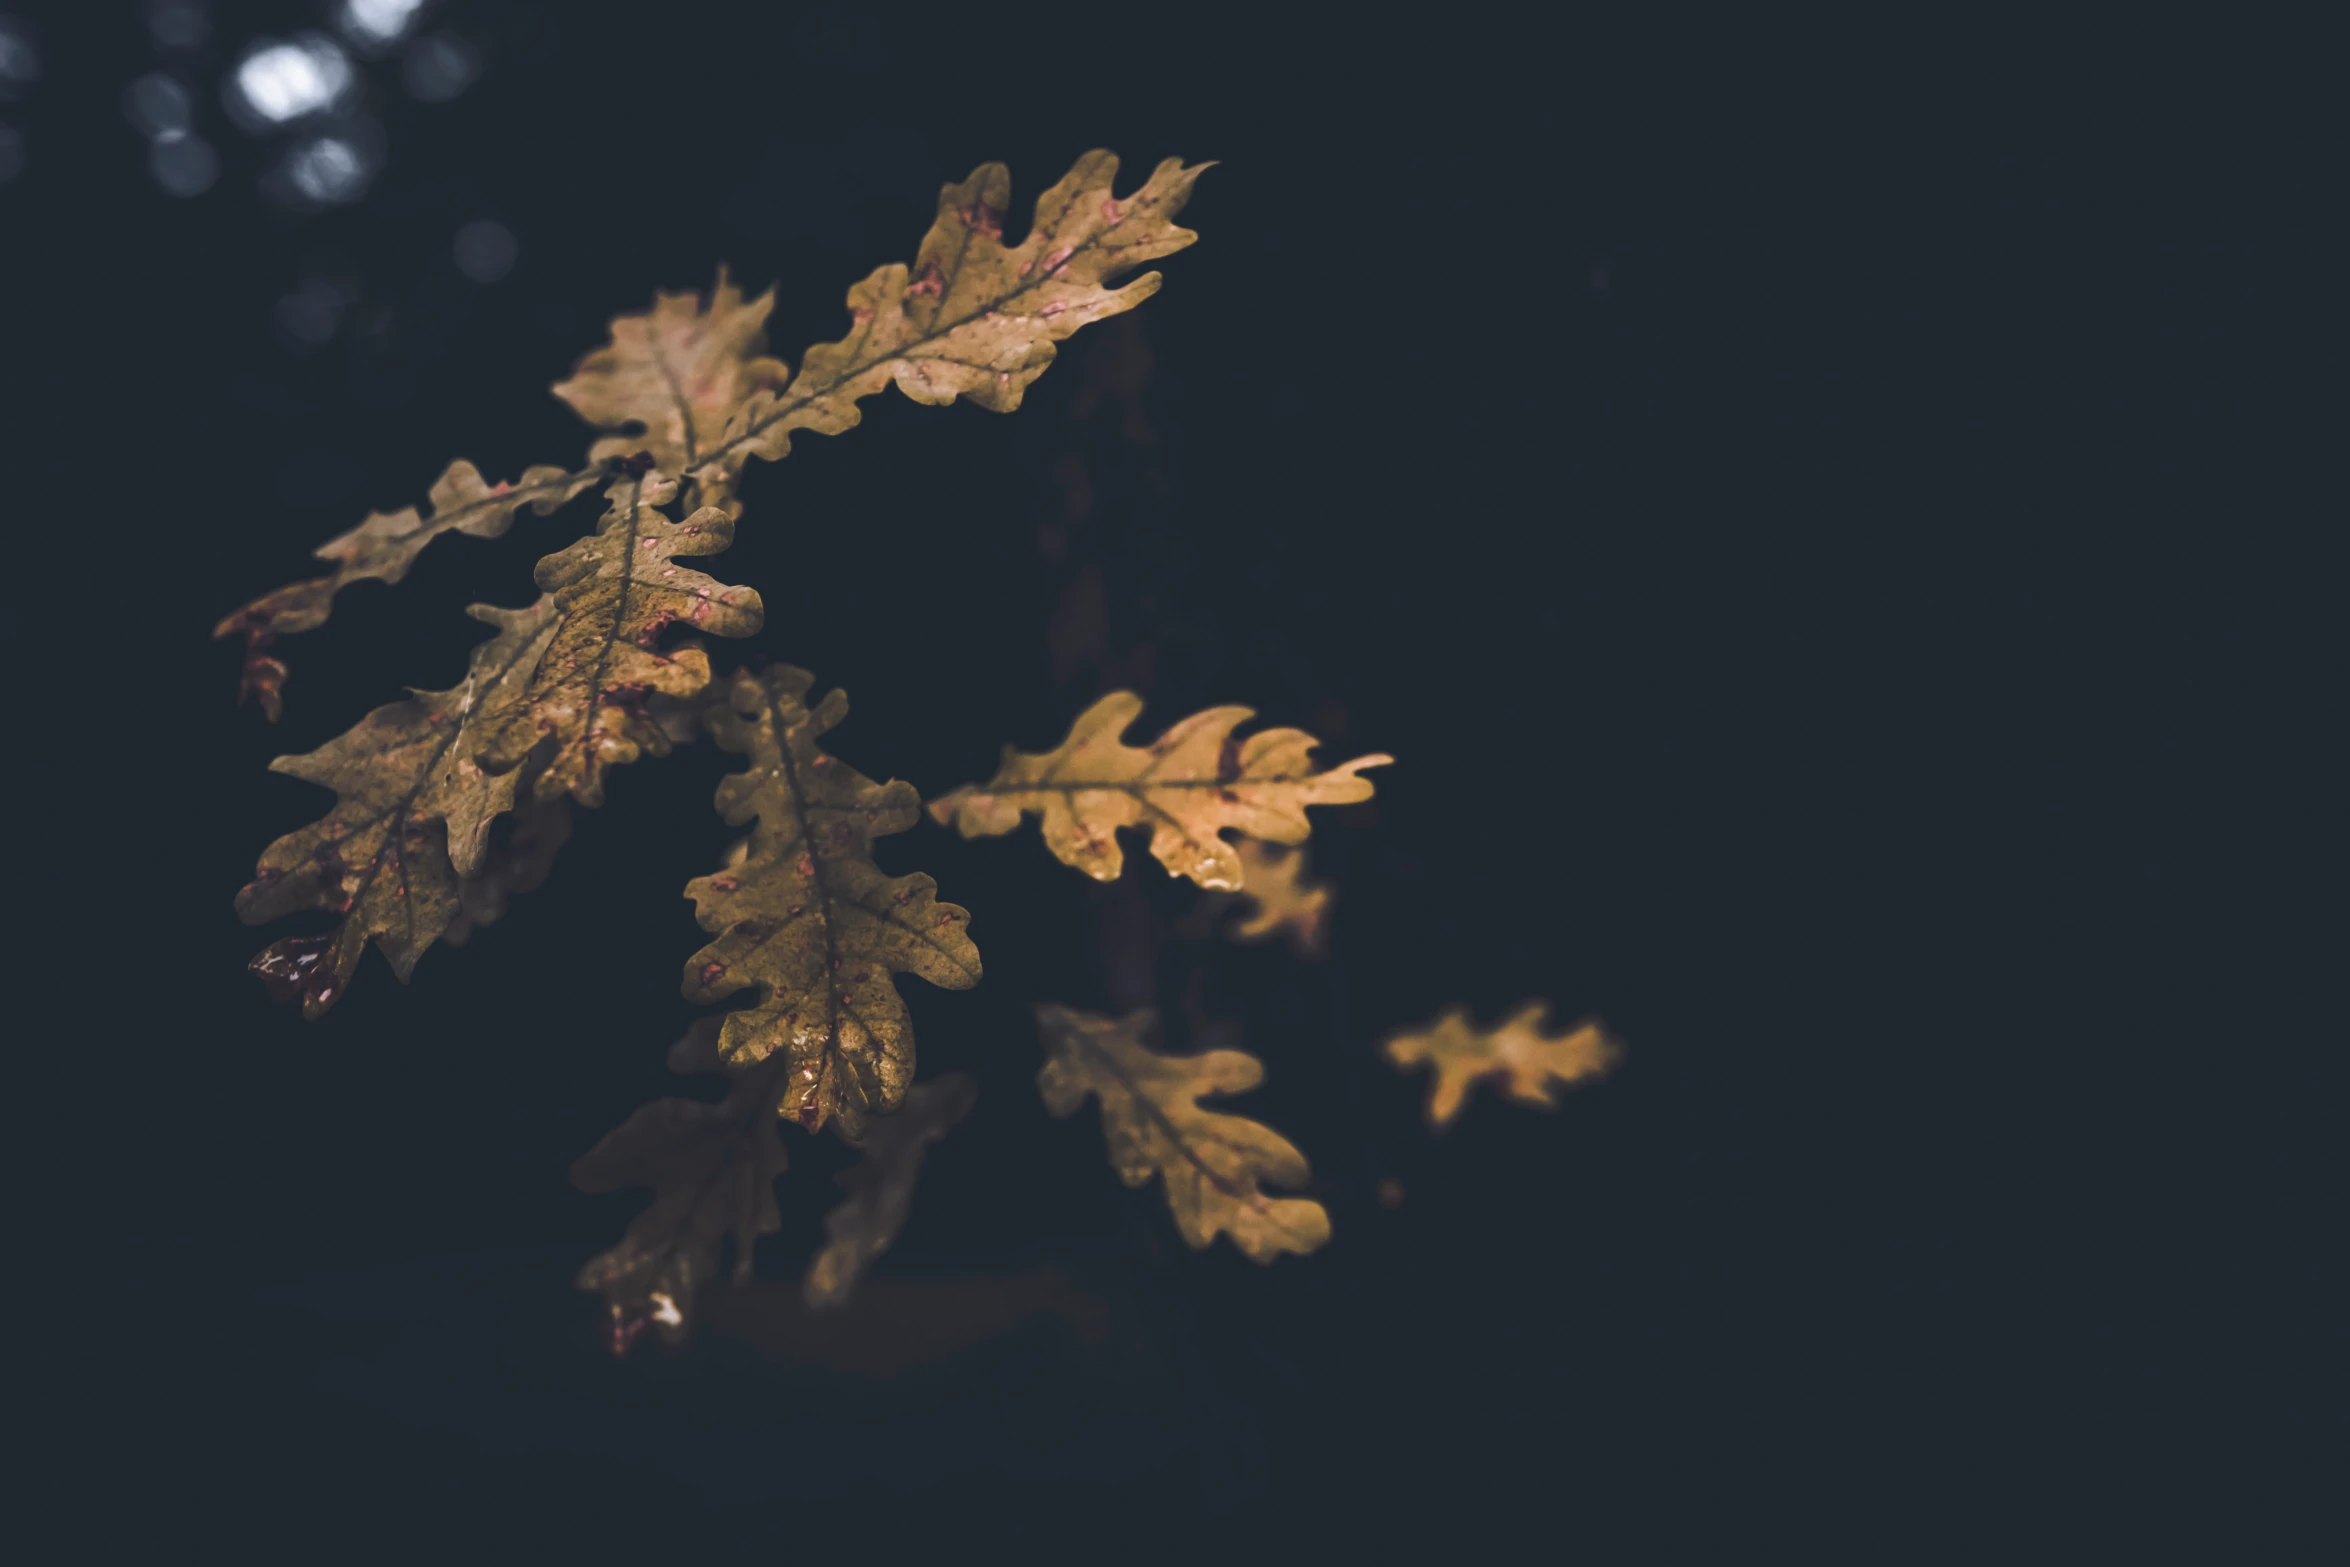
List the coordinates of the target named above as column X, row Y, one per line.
column 616, row 592
column 809, row 919
column 414, row 816
column 881, row 1185
column 1532, row 1066
column 1273, row 880
column 712, row 1168
column 382, row 549
column 1210, row 1163
column 1188, row 786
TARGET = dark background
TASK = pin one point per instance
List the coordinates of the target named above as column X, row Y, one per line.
column 1818, row 515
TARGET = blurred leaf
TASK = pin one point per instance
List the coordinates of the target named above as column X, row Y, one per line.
column 1273, row 881
column 1210, row 1163
column 1190, row 784
column 712, row 1168
column 1529, row 1064
column 513, row 867
column 881, row 1185
column 681, row 371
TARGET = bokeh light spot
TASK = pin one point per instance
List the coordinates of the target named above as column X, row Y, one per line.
column 183, row 164
column 376, row 22
column 20, row 57
column 158, row 106
column 307, row 317
column 278, row 82
column 327, row 169
column 438, row 68
column 486, row 251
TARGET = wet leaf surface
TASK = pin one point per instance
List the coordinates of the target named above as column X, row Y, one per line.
column 412, row 819
column 1193, row 783
column 806, row 917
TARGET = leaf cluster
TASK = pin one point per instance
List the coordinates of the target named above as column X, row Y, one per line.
column 806, row 934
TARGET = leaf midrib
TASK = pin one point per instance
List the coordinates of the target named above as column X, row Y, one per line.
column 396, row 814
column 795, row 401
column 1110, row 1063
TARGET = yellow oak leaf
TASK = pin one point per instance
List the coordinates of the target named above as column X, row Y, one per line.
column 1192, row 783
column 616, row 592
column 808, row 918
column 1210, row 1163
column 881, row 1186
column 1531, row 1065
column 413, row 817
column 1273, row 880
column 972, row 317
column 681, row 371
column 381, row 549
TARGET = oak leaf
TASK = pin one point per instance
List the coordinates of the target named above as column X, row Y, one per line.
column 1531, row 1065
column 381, row 549
column 413, row 817
column 678, row 373
column 808, row 918
column 616, row 592
column 972, row 317
column 1210, row 1163
column 881, row 1185
column 1188, row 786
column 1273, row 881
column 712, row 1168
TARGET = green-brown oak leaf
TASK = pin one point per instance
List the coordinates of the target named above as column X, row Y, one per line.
column 381, row 549
column 617, row 592
column 807, row 918
column 413, row 817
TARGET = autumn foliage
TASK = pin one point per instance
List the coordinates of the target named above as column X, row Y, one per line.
column 614, row 662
